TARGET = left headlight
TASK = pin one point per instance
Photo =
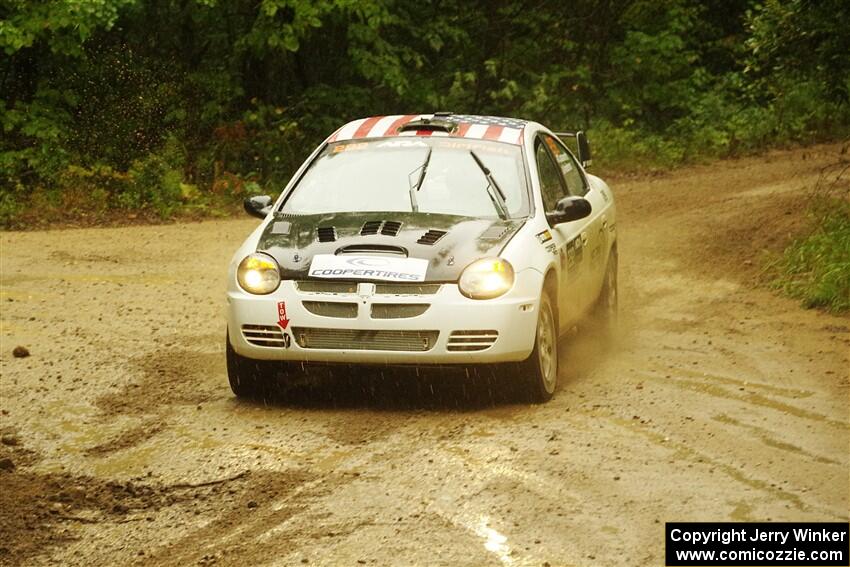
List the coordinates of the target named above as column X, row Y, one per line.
column 486, row 278
column 258, row 273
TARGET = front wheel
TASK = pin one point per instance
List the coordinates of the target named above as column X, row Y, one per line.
column 540, row 370
column 248, row 378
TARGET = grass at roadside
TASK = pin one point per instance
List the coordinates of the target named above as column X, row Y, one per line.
column 815, row 267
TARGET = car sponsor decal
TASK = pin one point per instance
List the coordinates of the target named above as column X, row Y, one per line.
column 349, row 147
column 368, row 268
column 574, row 253
column 544, row 237
column 282, row 319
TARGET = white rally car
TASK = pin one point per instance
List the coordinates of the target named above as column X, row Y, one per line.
column 424, row 239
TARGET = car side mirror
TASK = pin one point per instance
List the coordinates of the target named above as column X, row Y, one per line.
column 569, row 209
column 259, row 206
column 583, row 150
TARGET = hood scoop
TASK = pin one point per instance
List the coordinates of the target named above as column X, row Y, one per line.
column 431, row 237
column 372, row 249
column 326, row 234
column 385, row 227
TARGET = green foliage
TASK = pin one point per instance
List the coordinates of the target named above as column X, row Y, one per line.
column 155, row 181
column 63, row 25
column 174, row 105
column 816, row 267
column 800, row 39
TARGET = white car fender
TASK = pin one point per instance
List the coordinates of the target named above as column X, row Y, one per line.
column 525, row 251
column 248, row 246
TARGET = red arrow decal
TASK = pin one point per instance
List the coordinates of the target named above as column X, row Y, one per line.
column 282, row 321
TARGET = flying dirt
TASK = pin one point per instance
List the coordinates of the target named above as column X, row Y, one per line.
column 718, row 401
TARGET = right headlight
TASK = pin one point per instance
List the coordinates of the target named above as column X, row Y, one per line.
column 486, row 278
column 258, row 273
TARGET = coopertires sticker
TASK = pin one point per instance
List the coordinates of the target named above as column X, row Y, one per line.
column 369, row 268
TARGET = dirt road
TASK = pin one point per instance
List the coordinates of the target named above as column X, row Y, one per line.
column 720, row 401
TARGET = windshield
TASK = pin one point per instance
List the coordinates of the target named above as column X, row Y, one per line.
column 387, row 175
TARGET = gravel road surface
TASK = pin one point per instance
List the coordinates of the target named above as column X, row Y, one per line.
column 719, row 401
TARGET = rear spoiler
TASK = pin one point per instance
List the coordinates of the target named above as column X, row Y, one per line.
column 583, row 146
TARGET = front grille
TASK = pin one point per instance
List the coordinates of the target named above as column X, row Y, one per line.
column 468, row 341
column 356, row 339
column 406, row 289
column 398, row 310
column 331, row 309
column 326, row 234
column 344, row 287
column 316, row 286
column 264, row 335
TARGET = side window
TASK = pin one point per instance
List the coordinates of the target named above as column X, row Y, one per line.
column 551, row 183
column 568, row 166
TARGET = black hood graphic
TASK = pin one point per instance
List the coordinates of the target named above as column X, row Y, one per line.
column 448, row 242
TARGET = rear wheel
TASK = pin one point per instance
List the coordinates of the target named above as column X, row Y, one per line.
column 540, row 370
column 249, row 378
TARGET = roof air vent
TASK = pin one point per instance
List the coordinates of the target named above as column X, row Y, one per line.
column 326, row 233
column 431, row 237
column 430, row 124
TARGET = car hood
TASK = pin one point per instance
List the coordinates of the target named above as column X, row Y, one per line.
column 448, row 242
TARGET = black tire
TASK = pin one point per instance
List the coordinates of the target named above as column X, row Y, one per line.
column 606, row 310
column 540, row 370
column 249, row 378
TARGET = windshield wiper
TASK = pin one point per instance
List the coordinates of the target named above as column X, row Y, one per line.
column 418, row 185
column 493, row 190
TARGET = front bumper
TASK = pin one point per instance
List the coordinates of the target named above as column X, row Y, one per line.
column 453, row 329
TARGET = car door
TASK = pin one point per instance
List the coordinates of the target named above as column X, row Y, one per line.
column 595, row 231
column 567, row 238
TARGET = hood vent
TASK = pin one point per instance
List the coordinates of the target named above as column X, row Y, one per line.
column 495, row 232
column 391, row 228
column 326, row 234
column 371, row 227
column 431, row 237
column 387, row 228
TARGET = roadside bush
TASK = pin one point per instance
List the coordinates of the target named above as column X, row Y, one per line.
column 631, row 149
column 86, row 191
column 155, row 181
column 12, row 202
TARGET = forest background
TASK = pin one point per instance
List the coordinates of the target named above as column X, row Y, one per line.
column 139, row 109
